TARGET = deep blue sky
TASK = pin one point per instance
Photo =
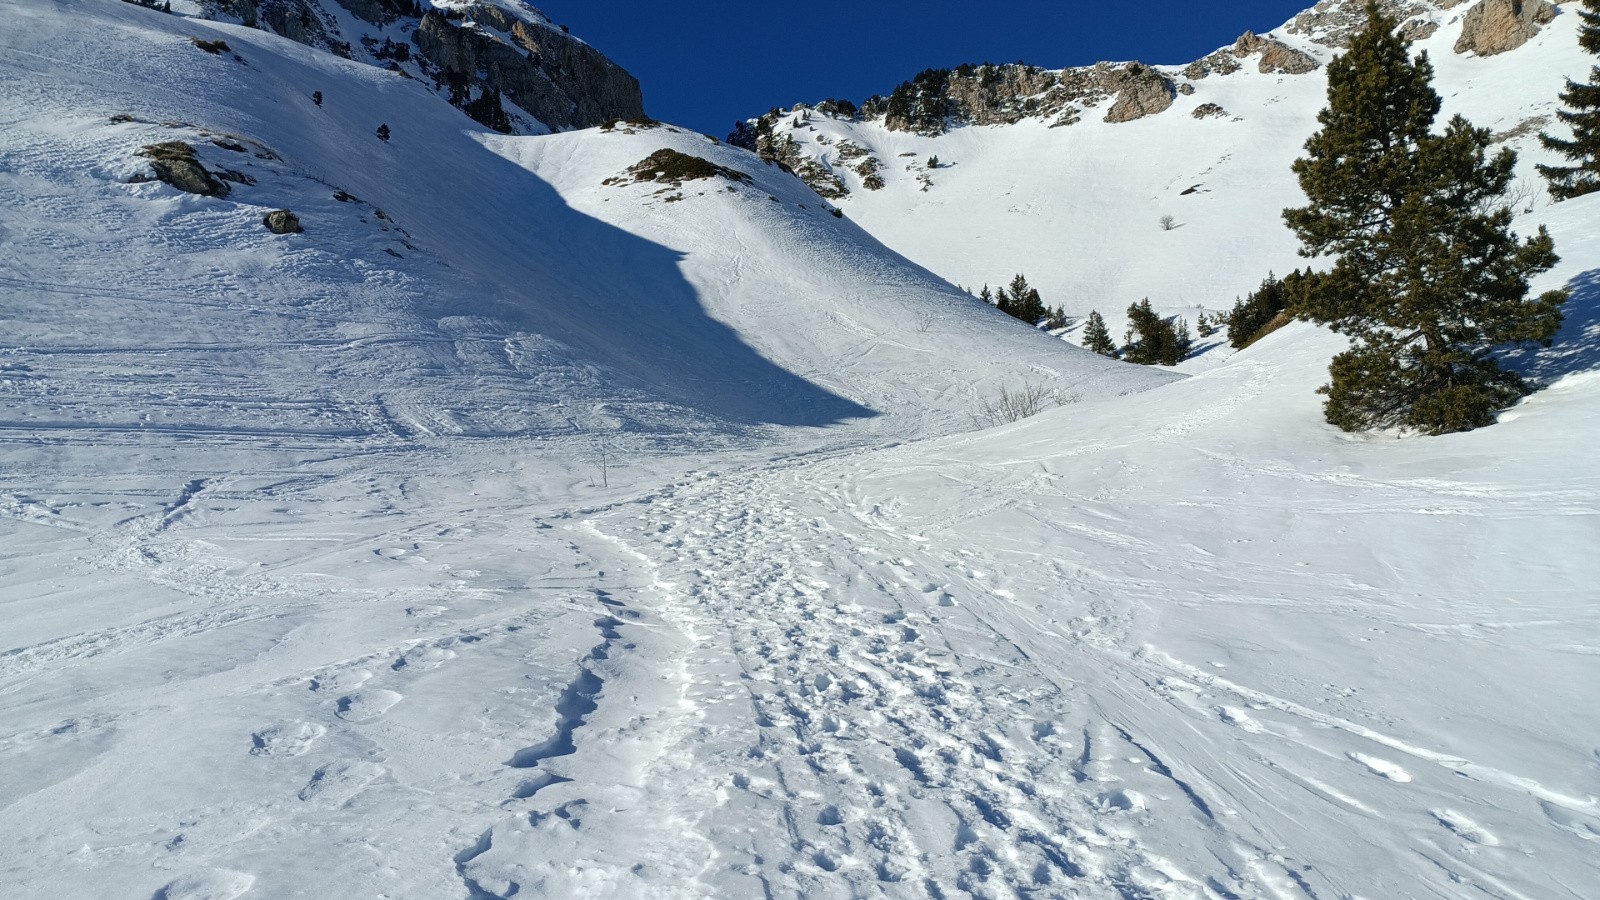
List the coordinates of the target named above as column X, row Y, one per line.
column 706, row 63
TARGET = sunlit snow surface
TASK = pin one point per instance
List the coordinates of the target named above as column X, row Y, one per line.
column 601, row 545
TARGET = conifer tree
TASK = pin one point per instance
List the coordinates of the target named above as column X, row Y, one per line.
column 1255, row 311
column 383, row 132
column 488, row 111
column 1021, row 301
column 1428, row 278
column 1583, row 115
column 1154, row 341
column 1097, row 338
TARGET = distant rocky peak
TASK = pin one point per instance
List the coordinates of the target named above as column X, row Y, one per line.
column 1489, row 26
column 1332, row 23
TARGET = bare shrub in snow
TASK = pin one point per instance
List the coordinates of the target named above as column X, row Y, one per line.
column 1013, row 404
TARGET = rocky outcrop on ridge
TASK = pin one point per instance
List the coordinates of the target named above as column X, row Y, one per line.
column 559, row 81
column 1276, row 58
column 938, row 100
column 474, row 53
column 1332, row 23
column 1141, row 91
column 1496, row 26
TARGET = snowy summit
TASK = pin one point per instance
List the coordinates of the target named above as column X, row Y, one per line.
column 425, row 475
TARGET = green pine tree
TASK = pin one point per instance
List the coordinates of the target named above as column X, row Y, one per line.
column 488, row 111
column 1253, row 313
column 1021, row 301
column 1428, row 278
column 1097, row 337
column 1024, row 301
column 1154, row 341
column 1583, row 115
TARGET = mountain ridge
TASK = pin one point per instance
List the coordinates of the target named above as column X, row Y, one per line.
column 1054, row 174
column 506, row 50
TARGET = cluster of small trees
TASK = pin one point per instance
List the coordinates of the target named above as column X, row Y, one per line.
column 1428, row 280
column 1150, row 340
column 488, row 111
column 1263, row 310
column 1021, row 300
column 921, row 105
column 1153, row 340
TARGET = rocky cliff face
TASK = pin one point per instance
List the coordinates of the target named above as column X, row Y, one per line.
column 561, row 82
column 1331, row 23
column 939, row 99
column 1276, row 58
column 302, row 21
column 1490, row 26
column 475, row 54
column 1496, row 26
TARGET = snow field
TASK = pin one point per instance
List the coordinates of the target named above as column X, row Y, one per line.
column 311, row 581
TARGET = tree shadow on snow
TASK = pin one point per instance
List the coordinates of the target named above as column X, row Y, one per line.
column 1577, row 346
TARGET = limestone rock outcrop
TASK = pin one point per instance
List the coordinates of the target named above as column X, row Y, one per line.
column 1332, row 23
column 175, row 164
column 1141, row 91
column 301, row 21
column 562, row 82
column 1498, row 26
column 1276, row 56
column 478, row 49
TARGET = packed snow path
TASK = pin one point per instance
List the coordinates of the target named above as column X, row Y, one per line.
column 1174, row 658
column 933, row 720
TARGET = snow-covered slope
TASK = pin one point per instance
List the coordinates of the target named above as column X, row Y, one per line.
column 1078, row 208
column 451, row 291
column 550, row 538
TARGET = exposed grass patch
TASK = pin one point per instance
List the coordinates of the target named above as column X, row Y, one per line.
column 1278, row 321
column 630, row 126
column 674, row 168
column 212, row 47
